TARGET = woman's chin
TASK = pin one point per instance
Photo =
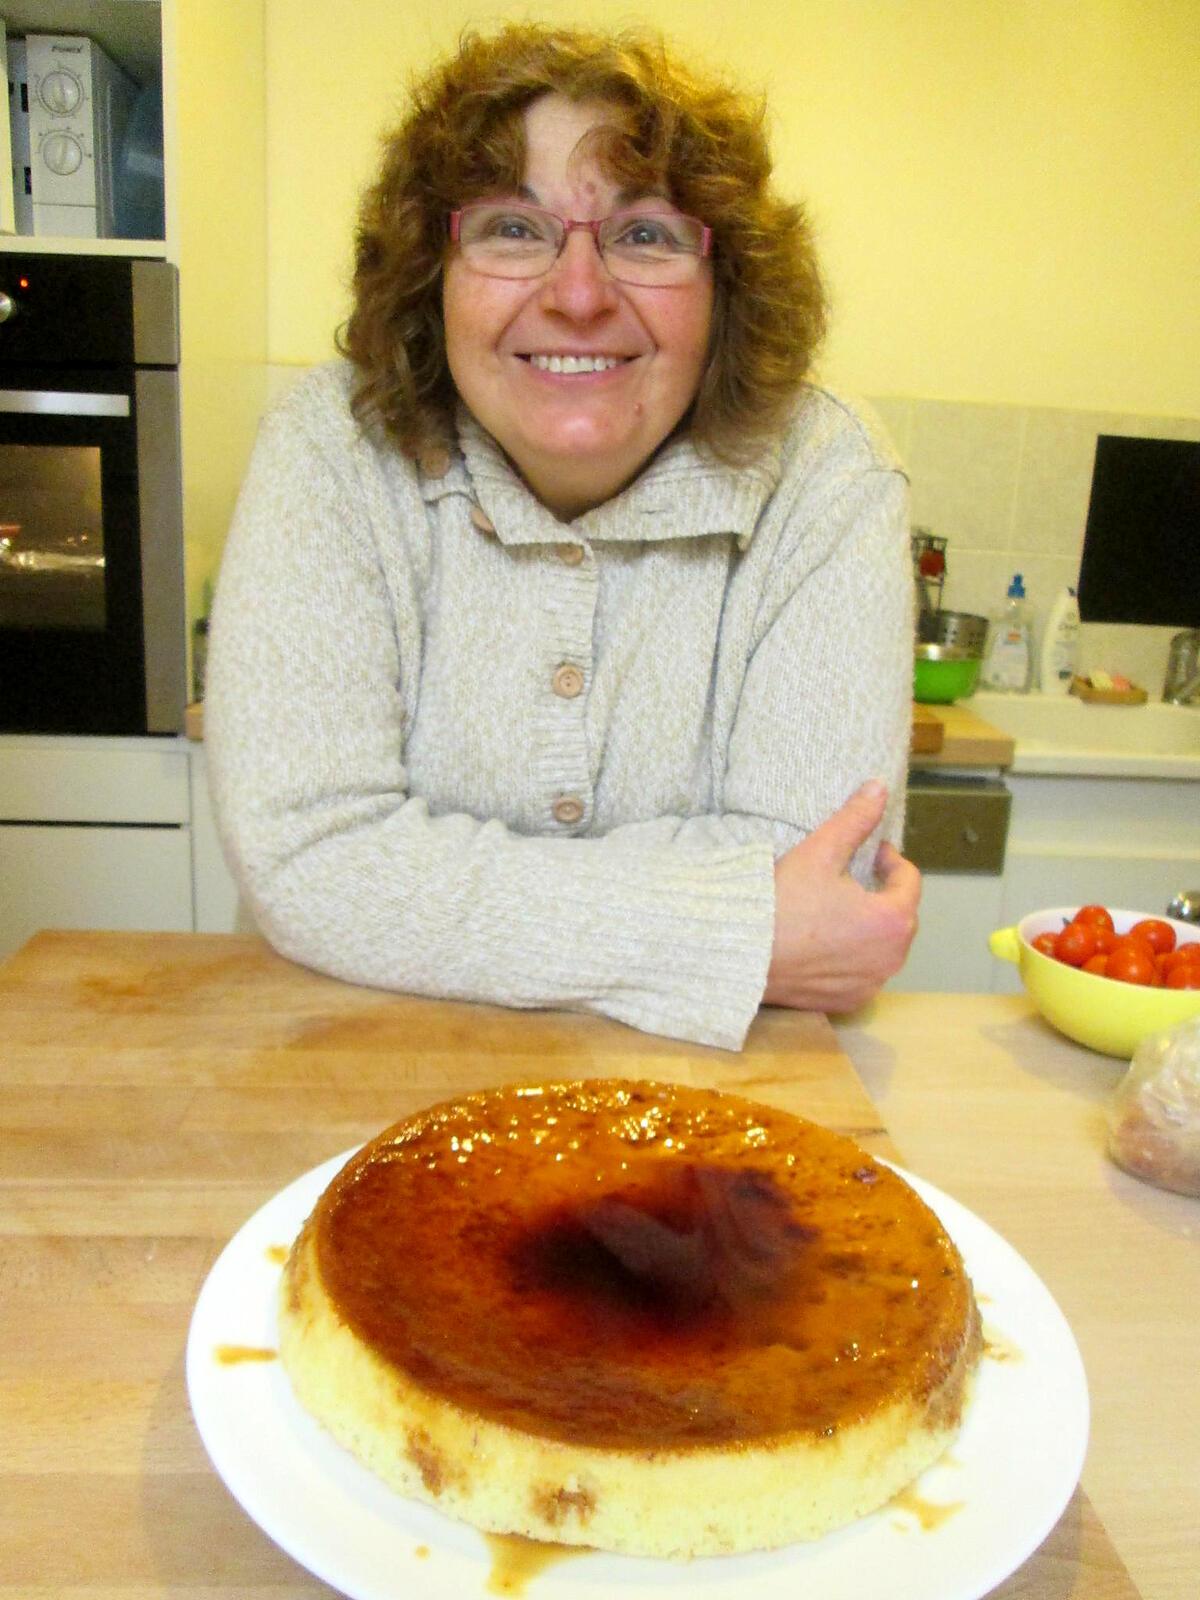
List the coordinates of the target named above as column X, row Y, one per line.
column 581, row 472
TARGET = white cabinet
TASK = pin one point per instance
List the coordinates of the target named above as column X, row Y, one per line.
column 217, row 908
column 59, row 876
column 94, row 833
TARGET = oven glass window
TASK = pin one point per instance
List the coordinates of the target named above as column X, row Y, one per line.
column 51, row 537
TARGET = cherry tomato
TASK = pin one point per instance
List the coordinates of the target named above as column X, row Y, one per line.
column 1183, row 955
column 1185, row 976
column 1045, row 942
column 1105, row 938
column 1097, row 964
column 1075, row 944
column 1098, row 916
column 1132, row 962
column 1129, row 941
column 1159, row 935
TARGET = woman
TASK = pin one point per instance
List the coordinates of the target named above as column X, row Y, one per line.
column 564, row 633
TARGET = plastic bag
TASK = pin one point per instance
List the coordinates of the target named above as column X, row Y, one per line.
column 1154, row 1116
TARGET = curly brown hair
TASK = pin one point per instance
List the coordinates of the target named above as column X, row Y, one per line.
column 697, row 139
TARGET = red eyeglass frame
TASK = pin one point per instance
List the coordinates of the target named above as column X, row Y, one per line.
column 593, row 226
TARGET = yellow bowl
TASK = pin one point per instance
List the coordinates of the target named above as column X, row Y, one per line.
column 1099, row 1012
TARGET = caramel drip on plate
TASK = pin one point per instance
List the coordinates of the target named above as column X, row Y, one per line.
column 929, row 1513
column 515, row 1560
column 233, row 1355
column 998, row 1347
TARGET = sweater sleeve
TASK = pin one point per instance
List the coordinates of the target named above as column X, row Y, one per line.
column 666, row 925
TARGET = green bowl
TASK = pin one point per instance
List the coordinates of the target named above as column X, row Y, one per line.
column 942, row 674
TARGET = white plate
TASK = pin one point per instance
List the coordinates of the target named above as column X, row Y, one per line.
column 1010, row 1473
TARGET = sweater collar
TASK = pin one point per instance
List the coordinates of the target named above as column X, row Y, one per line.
column 683, row 493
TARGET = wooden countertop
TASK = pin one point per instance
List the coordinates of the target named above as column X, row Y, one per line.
column 991, row 1104
column 967, row 740
column 157, row 1088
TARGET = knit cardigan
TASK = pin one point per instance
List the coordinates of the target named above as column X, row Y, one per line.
column 461, row 748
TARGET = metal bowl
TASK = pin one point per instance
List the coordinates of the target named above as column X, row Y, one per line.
column 962, row 630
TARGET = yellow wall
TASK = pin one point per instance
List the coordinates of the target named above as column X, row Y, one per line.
column 1005, row 190
column 217, row 150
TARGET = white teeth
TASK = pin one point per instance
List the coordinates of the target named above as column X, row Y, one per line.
column 574, row 363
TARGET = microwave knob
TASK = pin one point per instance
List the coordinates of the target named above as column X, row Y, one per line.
column 62, row 153
column 60, row 92
column 8, row 306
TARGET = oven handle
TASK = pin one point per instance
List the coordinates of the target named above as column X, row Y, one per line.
column 64, row 403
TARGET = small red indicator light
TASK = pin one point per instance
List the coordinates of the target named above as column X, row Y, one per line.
column 23, row 283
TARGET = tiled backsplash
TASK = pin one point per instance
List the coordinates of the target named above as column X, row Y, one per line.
column 1008, row 488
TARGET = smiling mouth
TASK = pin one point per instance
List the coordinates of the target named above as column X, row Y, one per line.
column 569, row 364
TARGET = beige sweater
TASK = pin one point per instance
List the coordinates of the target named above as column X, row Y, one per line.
column 461, row 748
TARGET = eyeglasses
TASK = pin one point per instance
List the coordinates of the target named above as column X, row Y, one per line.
column 509, row 239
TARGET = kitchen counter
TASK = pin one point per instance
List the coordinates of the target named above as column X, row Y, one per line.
column 1063, row 736
column 991, row 1104
column 967, row 740
column 158, row 1088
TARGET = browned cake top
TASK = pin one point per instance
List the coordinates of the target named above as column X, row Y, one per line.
column 631, row 1264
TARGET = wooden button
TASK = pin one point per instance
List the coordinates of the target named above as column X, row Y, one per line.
column 567, row 809
column 481, row 520
column 567, row 681
column 570, row 554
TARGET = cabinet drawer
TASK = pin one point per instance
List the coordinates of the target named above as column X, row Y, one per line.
column 957, row 825
column 63, row 877
column 81, row 780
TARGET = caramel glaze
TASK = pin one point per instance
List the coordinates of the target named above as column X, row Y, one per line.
column 642, row 1265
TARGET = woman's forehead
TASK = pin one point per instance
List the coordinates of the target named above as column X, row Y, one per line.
column 584, row 143
column 567, row 131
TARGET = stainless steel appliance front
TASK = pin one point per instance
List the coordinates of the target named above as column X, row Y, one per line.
column 92, row 629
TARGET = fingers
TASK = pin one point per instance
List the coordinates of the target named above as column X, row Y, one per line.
column 840, row 835
column 899, row 881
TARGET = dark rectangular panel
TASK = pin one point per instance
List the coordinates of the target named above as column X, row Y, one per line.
column 1141, row 552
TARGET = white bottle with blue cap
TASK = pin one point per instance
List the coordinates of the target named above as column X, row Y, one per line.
column 1008, row 664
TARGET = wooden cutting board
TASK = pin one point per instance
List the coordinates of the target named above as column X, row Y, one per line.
column 928, row 732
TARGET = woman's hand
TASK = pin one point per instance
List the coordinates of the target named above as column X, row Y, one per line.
column 835, row 942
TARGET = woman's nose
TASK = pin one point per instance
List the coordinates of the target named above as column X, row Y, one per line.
column 579, row 284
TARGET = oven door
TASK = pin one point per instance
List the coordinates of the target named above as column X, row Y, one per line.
column 74, row 654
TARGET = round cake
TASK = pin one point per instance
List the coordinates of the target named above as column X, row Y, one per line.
column 638, row 1316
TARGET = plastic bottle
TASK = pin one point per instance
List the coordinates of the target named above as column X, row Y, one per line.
column 1008, row 664
column 1059, row 659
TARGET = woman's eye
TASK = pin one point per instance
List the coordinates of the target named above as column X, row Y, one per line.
column 513, row 226
column 647, row 233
